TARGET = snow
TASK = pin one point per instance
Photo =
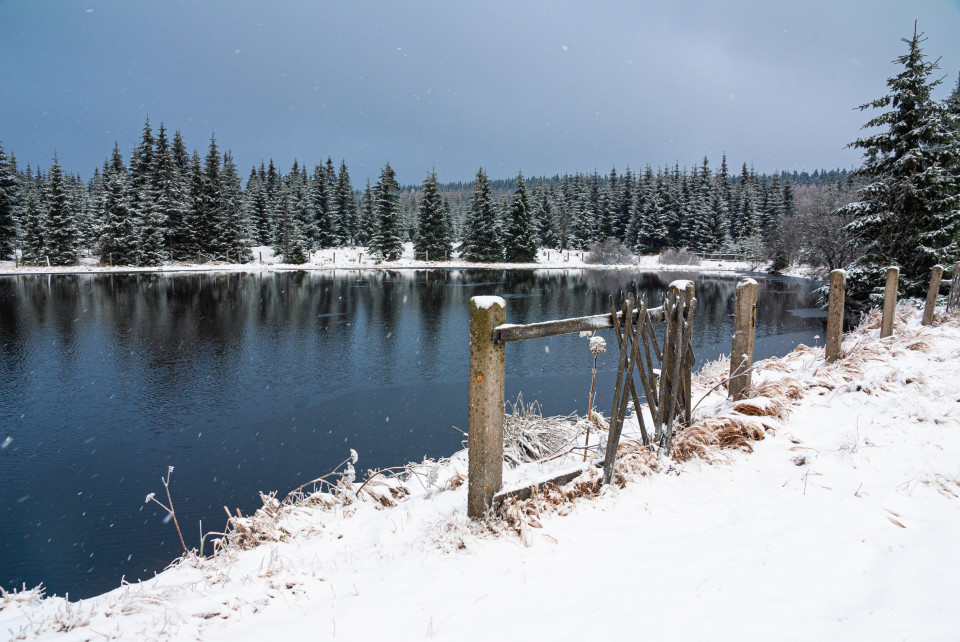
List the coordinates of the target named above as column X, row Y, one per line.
column 744, row 283
column 841, row 524
column 358, row 258
column 487, row 302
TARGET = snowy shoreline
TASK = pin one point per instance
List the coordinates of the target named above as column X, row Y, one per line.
column 356, row 258
column 840, row 524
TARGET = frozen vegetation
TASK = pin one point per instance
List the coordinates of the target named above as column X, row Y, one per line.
column 824, row 506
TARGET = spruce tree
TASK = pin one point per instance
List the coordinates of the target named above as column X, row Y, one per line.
column 346, row 207
column 519, row 243
column 32, row 226
column 908, row 210
column 9, row 192
column 481, row 241
column 433, row 234
column 367, row 219
column 60, row 232
column 288, row 242
column 388, row 234
column 118, row 237
column 544, row 219
column 234, row 233
column 170, row 194
column 324, row 209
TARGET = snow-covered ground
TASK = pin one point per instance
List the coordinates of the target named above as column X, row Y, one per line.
column 842, row 523
column 352, row 258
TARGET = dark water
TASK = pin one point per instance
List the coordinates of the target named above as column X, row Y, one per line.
column 262, row 382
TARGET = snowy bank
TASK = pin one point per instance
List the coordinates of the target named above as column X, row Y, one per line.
column 357, row 258
column 826, row 506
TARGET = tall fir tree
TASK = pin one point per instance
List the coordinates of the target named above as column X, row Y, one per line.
column 32, row 232
column 908, row 211
column 60, row 233
column 9, row 199
column 433, row 234
column 118, row 237
column 481, row 241
column 170, row 194
column 520, row 239
column 288, row 241
column 367, row 218
column 388, row 235
column 346, row 206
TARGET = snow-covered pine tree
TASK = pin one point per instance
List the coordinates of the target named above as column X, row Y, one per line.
column 907, row 212
column 519, row 242
column 543, row 216
column 234, row 233
column 194, row 222
column 718, row 217
column 625, row 204
column 388, row 235
column 9, row 202
column 481, row 242
column 32, row 230
column 210, row 214
column 289, row 242
column 170, row 194
column 346, row 206
column 118, row 236
column 323, row 202
column 366, row 219
column 60, row 233
column 433, row 234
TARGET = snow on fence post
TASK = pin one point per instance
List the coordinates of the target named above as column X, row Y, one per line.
column 932, row 293
column 486, row 412
column 741, row 351
column 890, row 301
column 838, row 285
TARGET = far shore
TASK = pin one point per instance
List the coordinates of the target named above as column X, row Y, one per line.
column 357, row 258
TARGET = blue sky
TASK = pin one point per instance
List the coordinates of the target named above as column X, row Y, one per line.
column 543, row 87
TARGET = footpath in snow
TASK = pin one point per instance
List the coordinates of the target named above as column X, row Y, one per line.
column 827, row 506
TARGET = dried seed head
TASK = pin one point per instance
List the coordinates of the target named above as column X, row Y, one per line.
column 597, row 345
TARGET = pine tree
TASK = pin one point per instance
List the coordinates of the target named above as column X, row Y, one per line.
column 367, row 221
column 9, row 193
column 322, row 200
column 388, row 234
column 519, row 243
column 433, row 234
column 33, row 226
column 170, row 194
column 118, row 237
column 908, row 210
column 234, row 233
column 60, row 233
column 289, row 241
column 481, row 239
column 543, row 218
column 209, row 213
column 346, row 206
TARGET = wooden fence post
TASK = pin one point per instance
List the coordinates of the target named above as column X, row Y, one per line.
column 485, row 393
column 954, row 296
column 745, row 325
column 890, row 302
column 838, row 290
column 932, row 293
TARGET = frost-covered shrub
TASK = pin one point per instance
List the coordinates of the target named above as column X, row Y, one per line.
column 609, row 252
column 682, row 256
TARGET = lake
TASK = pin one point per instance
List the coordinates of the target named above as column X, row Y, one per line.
column 250, row 382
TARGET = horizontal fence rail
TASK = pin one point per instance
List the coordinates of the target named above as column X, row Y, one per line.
column 510, row 332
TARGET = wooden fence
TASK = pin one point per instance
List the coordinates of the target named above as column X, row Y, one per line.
column 667, row 395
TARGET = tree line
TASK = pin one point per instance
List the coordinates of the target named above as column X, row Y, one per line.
column 901, row 207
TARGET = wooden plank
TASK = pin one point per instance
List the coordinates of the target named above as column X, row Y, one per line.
column 508, row 332
column 526, row 492
column 637, row 337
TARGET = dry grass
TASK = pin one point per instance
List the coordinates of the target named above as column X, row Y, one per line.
column 529, row 436
column 520, row 516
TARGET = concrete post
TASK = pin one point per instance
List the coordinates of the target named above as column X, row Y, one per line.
column 745, row 325
column 485, row 392
column 838, row 291
column 932, row 293
column 890, row 301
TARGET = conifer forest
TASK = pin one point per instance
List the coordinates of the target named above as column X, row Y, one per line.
column 163, row 204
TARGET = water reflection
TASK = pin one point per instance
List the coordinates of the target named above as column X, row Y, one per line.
column 249, row 382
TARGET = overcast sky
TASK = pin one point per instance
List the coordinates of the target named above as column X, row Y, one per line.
column 546, row 87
